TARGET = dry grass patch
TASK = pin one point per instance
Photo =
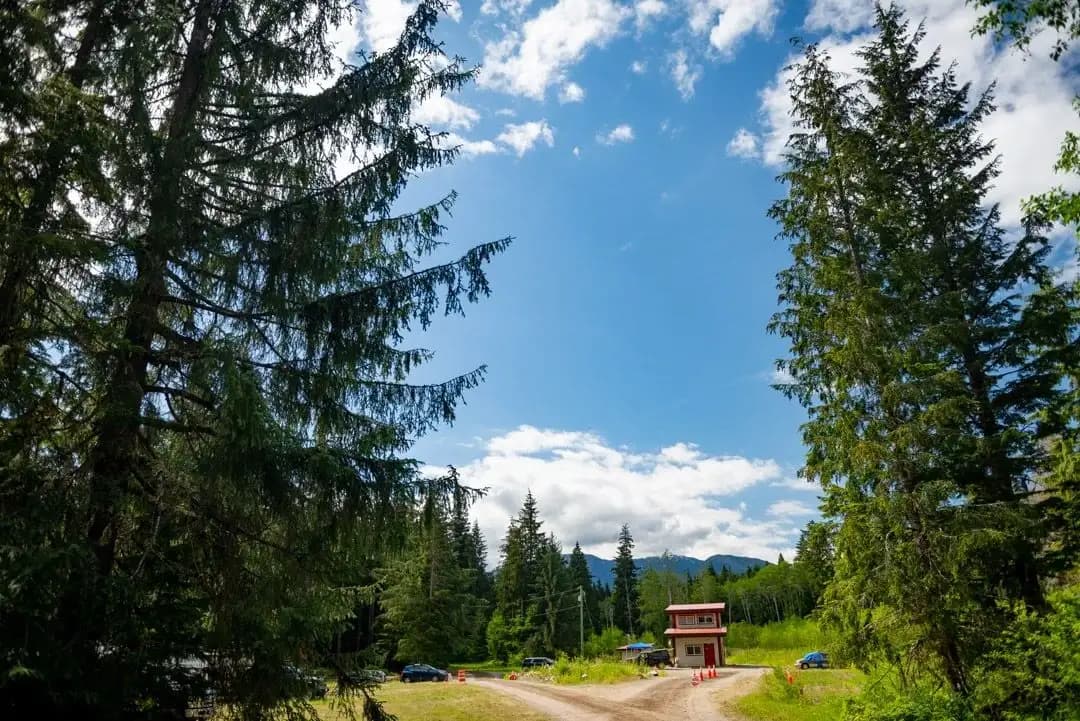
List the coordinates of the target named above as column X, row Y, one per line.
column 443, row 701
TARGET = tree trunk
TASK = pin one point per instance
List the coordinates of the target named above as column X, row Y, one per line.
column 115, row 452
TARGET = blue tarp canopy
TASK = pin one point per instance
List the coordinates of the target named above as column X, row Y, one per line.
column 639, row 646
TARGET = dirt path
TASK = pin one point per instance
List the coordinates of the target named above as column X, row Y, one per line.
column 671, row 698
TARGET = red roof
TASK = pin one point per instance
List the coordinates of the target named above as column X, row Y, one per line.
column 691, row 607
column 722, row 631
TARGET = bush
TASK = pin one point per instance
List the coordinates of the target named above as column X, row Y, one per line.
column 604, row 644
column 571, row 671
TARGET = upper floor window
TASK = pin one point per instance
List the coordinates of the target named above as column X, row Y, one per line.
column 698, row 620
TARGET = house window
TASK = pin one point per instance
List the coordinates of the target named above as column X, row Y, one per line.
column 687, row 620
column 693, row 649
column 704, row 620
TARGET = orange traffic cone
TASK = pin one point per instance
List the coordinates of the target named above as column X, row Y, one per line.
column 461, row 675
column 694, row 678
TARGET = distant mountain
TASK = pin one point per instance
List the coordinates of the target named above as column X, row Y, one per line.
column 603, row 569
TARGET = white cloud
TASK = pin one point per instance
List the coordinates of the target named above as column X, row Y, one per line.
column 576, row 151
column 744, row 144
column 571, row 93
column 514, row 7
column 638, row 67
column 619, row 134
column 790, row 509
column 382, row 21
column 839, row 15
column 444, row 112
column 587, row 489
column 469, row 148
column 797, row 484
column 781, row 376
column 528, row 60
column 1032, row 91
column 522, row 137
column 506, row 112
column 684, row 75
column 645, row 11
column 728, row 21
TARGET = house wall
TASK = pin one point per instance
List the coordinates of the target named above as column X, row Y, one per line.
column 687, row 660
column 696, row 620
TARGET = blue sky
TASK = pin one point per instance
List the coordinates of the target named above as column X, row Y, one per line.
column 632, row 148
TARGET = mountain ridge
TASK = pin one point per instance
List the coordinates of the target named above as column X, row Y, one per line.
column 602, row 569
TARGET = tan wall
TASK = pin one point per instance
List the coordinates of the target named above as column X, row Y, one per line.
column 685, row 660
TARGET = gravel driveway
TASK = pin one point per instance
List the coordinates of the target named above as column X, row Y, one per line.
column 670, row 698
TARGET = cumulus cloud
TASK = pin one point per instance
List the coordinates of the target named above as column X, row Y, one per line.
column 571, row 93
column 728, row 21
column 528, row 60
column 469, row 148
column 744, row 144
column 638, row 67
column 684, row 74
column 645, row 11
column 1032, row 91
column 522, row 137
column 619, row 134
column 839, row 15
column 442, row 111
column 513, row 7
column 786, row 509
column 794, row 483
column 587, row 489
column 576, row 151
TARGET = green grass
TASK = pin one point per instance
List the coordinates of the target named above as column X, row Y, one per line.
column 493, row 666
column 774, row 644
column 567, row 671
column 815, row 695
column 442, row 701
column 766, row 656
column 792, row 633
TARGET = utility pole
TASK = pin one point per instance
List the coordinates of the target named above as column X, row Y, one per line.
column 581, row 617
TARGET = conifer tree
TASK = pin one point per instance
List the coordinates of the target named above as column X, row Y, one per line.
column 581, row 578
column 624, row 595
column 915, row 348
column 203, row 364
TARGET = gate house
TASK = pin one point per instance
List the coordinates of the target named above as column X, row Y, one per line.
column 697, row 634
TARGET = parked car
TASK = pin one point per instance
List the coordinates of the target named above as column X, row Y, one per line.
column 423, row 672
column 537, row 661
column 814, row 658
column 314, row 684
column 656, row 657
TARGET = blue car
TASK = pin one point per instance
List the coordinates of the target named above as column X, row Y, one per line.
column 422, row 672
column 814, row 658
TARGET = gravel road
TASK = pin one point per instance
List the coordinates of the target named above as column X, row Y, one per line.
column 671, row 698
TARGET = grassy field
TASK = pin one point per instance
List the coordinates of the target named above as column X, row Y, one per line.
column 443, row 701
column 566, row 671
column 492, row 666
column 815, row 695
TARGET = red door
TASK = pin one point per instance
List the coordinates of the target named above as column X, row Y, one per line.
column 710, row 654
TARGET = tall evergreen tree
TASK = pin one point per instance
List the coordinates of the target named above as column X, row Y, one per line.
column 427, row 596
column 913, row 348
column 581, row 578
column 624, row 595
column 814, row 555
column 207, row 403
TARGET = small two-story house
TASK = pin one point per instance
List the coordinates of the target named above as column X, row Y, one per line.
column 697, row 633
